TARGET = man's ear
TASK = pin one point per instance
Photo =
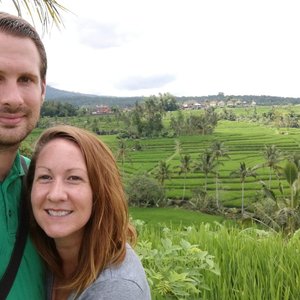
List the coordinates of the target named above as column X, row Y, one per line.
column 43, row 88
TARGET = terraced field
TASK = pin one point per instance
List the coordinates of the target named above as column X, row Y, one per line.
column 245, row 143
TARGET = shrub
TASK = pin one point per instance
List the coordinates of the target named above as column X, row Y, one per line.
column 204, row 202
column 144, row 191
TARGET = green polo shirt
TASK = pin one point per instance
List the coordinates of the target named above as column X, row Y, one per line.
column 29, row 282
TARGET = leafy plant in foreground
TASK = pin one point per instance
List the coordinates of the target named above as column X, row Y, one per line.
column 175, row 270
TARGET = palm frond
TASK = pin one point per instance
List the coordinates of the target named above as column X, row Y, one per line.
column 48, row 12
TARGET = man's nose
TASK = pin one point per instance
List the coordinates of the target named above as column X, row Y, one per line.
column 10, row 94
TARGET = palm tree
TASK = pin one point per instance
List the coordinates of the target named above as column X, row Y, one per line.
column 295, row 158
column 206, row 165
column 184, row 168
column 163, row 172
column 273, row 157
column 219, row 151
column 122, row 153
column 243, row 172
column 291, row 175
column 47, row 11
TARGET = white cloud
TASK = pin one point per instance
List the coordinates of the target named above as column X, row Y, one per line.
column 192, row 47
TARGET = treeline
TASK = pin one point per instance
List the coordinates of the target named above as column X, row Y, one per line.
column 143, row 120
column 79, row 99
column 59, row 109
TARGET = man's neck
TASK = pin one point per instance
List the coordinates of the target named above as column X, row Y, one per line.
column 7, row 157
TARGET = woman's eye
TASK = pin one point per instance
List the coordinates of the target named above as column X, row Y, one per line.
column 74, row 178
column 44, row 177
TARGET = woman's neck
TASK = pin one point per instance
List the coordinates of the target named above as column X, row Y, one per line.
column 68, row 252
column 70, row 261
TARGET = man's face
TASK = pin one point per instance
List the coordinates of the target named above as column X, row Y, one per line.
column 21, row 89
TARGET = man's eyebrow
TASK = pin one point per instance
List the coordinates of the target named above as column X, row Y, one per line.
column 26, row 74
column 29, row 74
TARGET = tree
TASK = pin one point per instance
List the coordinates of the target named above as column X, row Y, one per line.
column 184, row 168
column 163, row 172
column 218, row 150
column 272, row 156
column 206, row 165
column 47, row 11
column 122, row 153
column 292, row 177
column 147, row 118
column 295, row 158
column 204, row 123
column 168, row 102
column 176, row 122
column 243, row 172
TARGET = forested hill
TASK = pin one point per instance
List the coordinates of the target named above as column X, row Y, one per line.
column 79, row 99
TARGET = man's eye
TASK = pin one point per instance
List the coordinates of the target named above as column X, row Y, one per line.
column 25, row 79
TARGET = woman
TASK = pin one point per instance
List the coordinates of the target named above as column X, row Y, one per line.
column 79, row 219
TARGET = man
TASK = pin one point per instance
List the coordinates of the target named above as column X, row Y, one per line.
column 23, row 66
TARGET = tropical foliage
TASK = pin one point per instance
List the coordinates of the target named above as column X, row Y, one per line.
column 47, row 11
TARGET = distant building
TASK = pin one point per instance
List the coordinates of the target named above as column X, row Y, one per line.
column 101, row 110
column 191, row 105
column 221, row 103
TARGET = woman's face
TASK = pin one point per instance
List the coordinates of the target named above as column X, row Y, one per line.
column 61, row 194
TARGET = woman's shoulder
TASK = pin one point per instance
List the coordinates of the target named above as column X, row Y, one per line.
column 124, row 281
column 131, row 268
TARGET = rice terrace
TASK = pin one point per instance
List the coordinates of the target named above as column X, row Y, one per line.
column 213, row 193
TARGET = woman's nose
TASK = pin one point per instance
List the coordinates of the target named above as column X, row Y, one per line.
column 56, row 192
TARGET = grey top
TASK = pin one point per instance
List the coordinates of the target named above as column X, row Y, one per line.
column 126, row 281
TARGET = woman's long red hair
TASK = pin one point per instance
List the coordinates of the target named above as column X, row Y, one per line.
column 108, row 230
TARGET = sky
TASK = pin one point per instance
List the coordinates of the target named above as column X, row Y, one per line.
column 183, row 47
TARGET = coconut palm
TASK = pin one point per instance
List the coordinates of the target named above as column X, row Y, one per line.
column 243, row 172
column 184, row 168
column 163, row 172
column 218, row 150
column 273, row 156
column 122, row 153
column 47, row 11
column 295, row 158
column 291, row 175
column 206, row 164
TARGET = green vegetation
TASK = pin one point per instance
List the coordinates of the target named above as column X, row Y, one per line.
column 246, row 168
column 196, row 166
column 173, row 217
column 220, row 262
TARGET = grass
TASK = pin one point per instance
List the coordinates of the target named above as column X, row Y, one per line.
column 253, row 263
column 172, row 216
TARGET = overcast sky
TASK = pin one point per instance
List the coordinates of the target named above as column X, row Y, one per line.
column 184, row 47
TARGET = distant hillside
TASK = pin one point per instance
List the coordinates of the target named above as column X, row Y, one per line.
column 79, row 99
column 53, row 94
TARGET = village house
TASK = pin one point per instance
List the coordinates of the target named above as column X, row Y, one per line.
column 101, row 110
